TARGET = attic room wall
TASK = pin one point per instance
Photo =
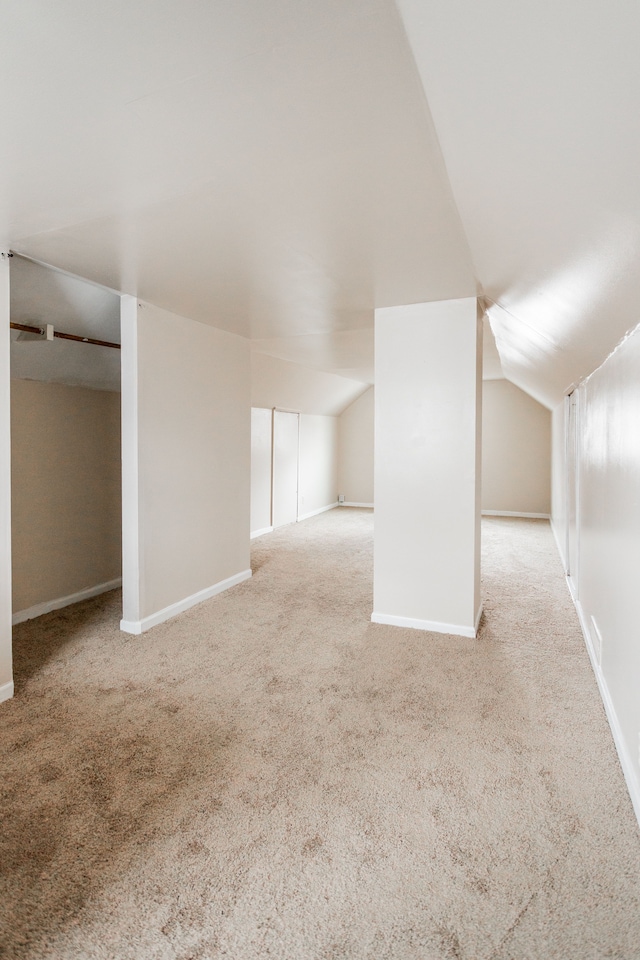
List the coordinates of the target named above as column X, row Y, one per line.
column 186, row 444
column 355, row 446
column 318, row 466
column 516, row 451
column 608, row 539
column 516, row 454
column 66, row 491
column 261, row 439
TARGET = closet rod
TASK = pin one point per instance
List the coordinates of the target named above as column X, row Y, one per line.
column 64, row 336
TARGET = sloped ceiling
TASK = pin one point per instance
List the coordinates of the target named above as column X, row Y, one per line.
column 536, row 109
column 274, row 169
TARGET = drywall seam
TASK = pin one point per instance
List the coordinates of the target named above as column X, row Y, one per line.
column 626, row 762
column 515, row 513
column 314, row 513
column 38, row 609
column 6, row 691
column 431, row 625
column 140, row 626
column 260, row 533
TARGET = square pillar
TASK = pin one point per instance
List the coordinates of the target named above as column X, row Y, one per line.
column 428, row 412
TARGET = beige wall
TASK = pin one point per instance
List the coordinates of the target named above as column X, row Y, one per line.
column 66, row 510
column 318, row 463
column 261, row 439
column 516, row 450
column 355, row 446
column 186, row 428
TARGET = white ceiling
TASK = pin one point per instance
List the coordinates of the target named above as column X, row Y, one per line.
column 274, row 169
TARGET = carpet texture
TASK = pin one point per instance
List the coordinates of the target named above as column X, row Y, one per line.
column 271, row 775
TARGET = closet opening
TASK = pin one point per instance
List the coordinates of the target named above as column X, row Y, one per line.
column 66, row 512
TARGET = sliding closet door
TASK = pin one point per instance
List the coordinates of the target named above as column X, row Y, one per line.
column 285, row 468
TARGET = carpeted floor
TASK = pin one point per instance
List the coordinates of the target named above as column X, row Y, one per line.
column 271, row 775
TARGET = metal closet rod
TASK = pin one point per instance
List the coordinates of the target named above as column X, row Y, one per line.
column 64, row 336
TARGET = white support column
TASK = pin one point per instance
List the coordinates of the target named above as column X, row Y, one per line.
column 131, row 559
column 427, row 466
column 6, row 671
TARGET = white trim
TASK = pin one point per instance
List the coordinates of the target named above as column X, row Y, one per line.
column 352, row 503
column 479, row 618
column 139, row 626
column 515, row 513
column 314, row 513
column 260, row 533
column 432, row 625
column 132, row 542
column 626, row 761
column 6, row 691
column 30, row 613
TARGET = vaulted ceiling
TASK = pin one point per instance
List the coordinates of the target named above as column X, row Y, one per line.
column 280, row 169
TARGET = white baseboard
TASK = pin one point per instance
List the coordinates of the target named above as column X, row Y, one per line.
column 6, row 691
column 41, row 608
column 512, row 513
column 260, row 533
column 314, row 513
column 140, row 626
column 353, row 503
column 431, row 625
column 626, row 761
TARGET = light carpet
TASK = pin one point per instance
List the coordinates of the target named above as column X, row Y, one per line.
column 271, row 775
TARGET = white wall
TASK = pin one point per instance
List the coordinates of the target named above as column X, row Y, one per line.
column 355, row 450
column 516, row 450
column 185, row 393
column 261, row 439
column 427, row 466
column 608, row 522
column 6, row 673
column 318, row 464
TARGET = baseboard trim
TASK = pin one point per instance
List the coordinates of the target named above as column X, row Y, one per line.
column 6, row 691
column 314, row 513
column 39, row 609
column 353, row 503
column 261, row 533
column 141, row 626
column 626, row 761
column 432, row 626
column 515, row 513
